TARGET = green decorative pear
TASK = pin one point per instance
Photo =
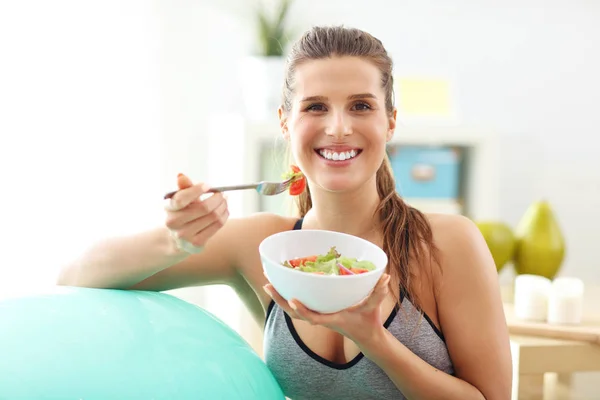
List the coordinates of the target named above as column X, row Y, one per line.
column 500, row 240
column 540, row 247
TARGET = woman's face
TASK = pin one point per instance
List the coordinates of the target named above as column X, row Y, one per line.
column 338, row 126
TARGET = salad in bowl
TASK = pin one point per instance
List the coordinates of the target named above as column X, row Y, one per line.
column 332, row 263
column 326, row 271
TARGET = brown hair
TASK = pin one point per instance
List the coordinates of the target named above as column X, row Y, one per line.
column 407, row 234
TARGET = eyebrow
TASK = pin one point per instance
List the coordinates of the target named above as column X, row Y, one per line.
column 351, row 97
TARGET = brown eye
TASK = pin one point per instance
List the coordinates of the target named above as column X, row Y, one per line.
column 316, row 107
column 361, row 106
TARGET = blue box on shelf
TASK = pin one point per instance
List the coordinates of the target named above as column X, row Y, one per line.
column 427, row 172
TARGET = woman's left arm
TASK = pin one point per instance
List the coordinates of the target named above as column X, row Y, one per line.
column 472, row 319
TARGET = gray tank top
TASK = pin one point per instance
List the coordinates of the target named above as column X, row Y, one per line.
column 304, row 375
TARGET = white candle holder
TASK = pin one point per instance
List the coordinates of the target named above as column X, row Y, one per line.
column 565, row 301
column 531, row 297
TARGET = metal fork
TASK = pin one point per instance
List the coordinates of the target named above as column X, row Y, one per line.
column 265, row 188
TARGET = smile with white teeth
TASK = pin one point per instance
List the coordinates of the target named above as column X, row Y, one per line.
column 338, row 156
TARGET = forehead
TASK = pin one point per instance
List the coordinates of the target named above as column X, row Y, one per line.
column 337, row 76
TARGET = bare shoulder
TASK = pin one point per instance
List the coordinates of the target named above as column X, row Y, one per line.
column 450, row 228
column 463, row 254
column 470, row 307
column 266, row 221
column 456, row 236
column 251, row 230
column 245, row 235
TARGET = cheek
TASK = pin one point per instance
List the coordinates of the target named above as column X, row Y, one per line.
column 300, row 148
column 297, row 142
column 304, row 131
column 306, row 125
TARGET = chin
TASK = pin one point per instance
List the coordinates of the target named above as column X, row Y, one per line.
column 339, row 175
column 338, row 184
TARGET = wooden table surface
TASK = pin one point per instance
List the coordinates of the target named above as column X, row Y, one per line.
column 546, row 349
column 533, row 357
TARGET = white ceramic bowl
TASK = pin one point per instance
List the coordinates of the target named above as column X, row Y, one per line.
column 321, row 293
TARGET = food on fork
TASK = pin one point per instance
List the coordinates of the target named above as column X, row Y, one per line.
column 299, row 184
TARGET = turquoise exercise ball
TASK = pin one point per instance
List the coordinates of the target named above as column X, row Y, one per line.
column 101, row 344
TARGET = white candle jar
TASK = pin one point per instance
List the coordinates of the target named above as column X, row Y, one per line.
column 565, row 302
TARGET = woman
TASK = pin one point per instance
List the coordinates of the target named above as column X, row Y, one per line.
column 433, row 328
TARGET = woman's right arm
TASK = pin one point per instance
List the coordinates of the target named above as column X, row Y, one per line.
column 156, row 259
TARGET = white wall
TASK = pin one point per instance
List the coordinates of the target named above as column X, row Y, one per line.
column 527, row 70
column 198, row 73
column 80, row 125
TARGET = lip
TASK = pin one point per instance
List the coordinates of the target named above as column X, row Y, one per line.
column 338, row 148
column 338, row 163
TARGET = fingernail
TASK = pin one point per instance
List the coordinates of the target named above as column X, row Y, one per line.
column 266, row 289
column 169, row 204
column 179, row 175
column 292, row 305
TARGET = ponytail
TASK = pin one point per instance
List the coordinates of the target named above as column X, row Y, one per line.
column 407, row 235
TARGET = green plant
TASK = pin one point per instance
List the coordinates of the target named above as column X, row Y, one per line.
column 273, row 34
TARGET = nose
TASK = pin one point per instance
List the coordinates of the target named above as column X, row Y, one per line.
column 338, row 125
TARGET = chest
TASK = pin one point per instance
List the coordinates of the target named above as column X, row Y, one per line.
column 312, row 367
column 329, row 345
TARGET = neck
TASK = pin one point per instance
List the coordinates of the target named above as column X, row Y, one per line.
column 349, row 212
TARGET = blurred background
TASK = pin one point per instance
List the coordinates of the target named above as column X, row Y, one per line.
column 103, row 103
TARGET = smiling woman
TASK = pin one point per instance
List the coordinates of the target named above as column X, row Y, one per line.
column 354, row 103
column 433, row 326
column 338, row 100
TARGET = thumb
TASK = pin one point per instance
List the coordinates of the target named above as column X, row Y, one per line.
column 183, row 182
column 171, row 202
column 379, row 292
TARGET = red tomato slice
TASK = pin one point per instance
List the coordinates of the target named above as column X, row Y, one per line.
column 299, row 185
column 301, row 261
column 359, row 270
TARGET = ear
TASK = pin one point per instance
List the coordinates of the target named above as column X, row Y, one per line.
column 391, row 125
column 283, row 123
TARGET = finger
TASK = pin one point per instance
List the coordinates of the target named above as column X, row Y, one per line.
column 280, row 301
column 200, row 238
column 308, row 315
column 380, row 291
column 293, row 307
column 195, row 225
column 193, row 228
column 183, row 182
column 195, row 210
column 383, row 281
column 184, row 197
